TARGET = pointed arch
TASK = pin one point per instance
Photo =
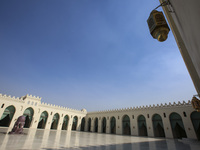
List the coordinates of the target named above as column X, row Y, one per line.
column 75, row 122
column 7, row 116
column 83, row 124
column 89, row 124
column 142, row 127
column 65, row 122
column 28, row 113
column 43, row 120
column 158, row 126
column 126, row 130
column 55, row 121
column 104, row 125
column 195, row 117
column 113, row 125
column 177, row 126
column 96, row 125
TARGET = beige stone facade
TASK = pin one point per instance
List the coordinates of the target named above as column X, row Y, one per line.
column 173, row 120
column 32, row 102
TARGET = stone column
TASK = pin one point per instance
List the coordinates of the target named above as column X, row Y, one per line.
column 189, row 129
column 36, row 118
column 149, row 126
column 78, row 127
column 70, row 122
column 86, row 125
column 100, row 125
column 49, row 121
column 92, row 125
column 108, row 125
column 167, row 126
column 118, row 125
column 60, row 122
column 2, row 109
column 134, row 126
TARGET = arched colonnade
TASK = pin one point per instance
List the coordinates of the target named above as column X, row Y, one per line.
column 156, row 125
column 178, row 124
column 40, row 119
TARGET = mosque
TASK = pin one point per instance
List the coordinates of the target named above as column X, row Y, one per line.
column 172, row 120
column 175, row 120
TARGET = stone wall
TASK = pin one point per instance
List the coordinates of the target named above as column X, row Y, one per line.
column 29, row 101
column 151, row 121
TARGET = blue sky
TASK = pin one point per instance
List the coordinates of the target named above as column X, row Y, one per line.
column 93, row 54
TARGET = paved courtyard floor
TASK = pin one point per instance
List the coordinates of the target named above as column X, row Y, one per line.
column 73, row 140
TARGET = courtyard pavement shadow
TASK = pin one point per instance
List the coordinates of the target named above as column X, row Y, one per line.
column 38, row 139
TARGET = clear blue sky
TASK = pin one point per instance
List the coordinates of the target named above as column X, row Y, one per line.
column 93, row 54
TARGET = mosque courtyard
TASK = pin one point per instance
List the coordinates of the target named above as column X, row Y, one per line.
column 74, row 140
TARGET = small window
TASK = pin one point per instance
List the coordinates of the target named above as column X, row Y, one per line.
column 2, row 105
column 118, row 117
column 35, row 104
column 51, row 113
column 133, row 116
column 28, row 102
column 184, row 113
column 32, row 103
column 147, row 115
column 164, row 115
column 62, row 115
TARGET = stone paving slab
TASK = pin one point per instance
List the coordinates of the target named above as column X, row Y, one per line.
column 33, row 139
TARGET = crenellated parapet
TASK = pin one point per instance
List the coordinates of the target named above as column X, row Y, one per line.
column 35, row 101
column 31, row 97
column 166, row 105
column 62, row 108
column 11, row 98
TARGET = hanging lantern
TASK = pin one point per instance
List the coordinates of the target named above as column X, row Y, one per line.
column 196, row 103
column 158, row 26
